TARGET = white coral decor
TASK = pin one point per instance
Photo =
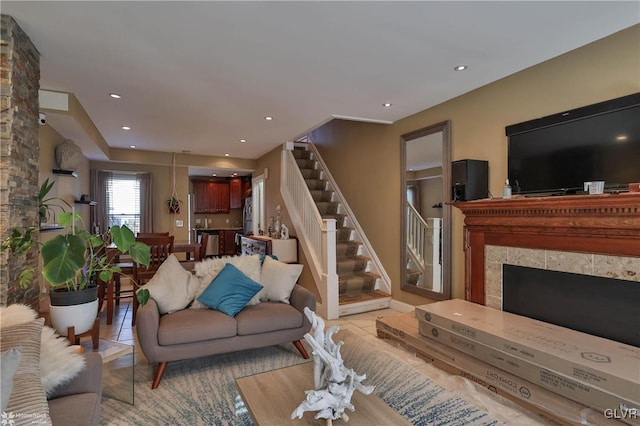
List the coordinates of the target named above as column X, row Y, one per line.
column 334, row 383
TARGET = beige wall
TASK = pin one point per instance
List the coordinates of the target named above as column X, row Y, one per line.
column 66, row 187
column 365, row 158
column 162, row 184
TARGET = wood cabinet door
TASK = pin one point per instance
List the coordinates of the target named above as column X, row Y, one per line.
column 227, row 241
column 235, row 199
column 221, row 197
column 200, row 197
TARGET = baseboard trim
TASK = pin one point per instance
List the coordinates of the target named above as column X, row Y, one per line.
column 401, row 306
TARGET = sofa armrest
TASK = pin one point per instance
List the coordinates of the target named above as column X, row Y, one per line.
column 147, row 324
column 302, row 298
column 88, row 381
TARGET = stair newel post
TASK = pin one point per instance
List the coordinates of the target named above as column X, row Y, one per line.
column 331, row 277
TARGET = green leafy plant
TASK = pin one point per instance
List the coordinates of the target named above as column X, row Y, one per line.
column 75, row 258
column 173, row 204
column 46, row 205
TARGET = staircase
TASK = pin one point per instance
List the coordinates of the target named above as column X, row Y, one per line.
column 362, row 284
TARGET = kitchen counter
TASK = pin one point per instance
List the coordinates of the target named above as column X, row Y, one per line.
column 219, row 228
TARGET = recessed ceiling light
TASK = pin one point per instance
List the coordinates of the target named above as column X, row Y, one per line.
column 621, row 138
column 268, row 118
column 115, row 95
column 460, row 67
column 243, row 140
column 132, row 146
column 126, row 128
column 386, row 104
column 214, row 175
column 226, row 154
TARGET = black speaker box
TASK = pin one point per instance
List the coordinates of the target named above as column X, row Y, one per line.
column 470, row 180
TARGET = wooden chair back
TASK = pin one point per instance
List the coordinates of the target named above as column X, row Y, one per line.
column 204, row 241
column 152, row 234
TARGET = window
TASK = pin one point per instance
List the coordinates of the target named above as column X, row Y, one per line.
column 123, row 201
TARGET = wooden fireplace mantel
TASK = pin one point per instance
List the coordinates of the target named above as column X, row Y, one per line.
column 601, row 224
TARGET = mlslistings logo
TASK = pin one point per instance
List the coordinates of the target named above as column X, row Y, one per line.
column 595, row 357
column 8, row 419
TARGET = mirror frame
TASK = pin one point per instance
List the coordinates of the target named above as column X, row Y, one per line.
column 445, row 128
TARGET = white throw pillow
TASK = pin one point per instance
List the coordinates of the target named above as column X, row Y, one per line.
column 59, row 363
column 278, row 280
column 208, row 269
column 172, row 286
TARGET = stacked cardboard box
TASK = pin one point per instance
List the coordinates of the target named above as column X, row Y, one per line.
column 546, row 405
column 597, row 372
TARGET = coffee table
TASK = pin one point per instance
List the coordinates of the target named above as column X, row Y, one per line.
column 118, row 372
column 271, row 397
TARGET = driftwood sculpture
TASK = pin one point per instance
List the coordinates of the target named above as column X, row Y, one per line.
column 334, row 383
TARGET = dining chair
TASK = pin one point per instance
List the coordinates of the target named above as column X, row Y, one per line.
column 204, row 241
column 160, row 248
column 151, row 234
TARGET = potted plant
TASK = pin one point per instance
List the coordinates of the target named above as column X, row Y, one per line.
column 46, row 205
column 173, row 204
column 72, row 263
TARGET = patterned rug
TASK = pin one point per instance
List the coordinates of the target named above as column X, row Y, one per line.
column 203, row 391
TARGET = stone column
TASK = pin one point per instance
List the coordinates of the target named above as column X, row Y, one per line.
column 19, row 156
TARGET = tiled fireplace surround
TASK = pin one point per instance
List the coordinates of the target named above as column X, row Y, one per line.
column 590, row 235
column 620, row 267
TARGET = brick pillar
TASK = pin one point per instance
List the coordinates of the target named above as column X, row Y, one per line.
column 19, row 156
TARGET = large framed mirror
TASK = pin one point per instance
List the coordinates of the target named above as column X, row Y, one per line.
column 426, row 216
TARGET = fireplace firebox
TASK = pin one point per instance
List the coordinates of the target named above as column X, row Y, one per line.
column 600, row 306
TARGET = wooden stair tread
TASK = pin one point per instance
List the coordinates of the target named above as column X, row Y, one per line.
column 356, row 297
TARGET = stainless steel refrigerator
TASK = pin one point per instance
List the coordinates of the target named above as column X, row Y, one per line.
column 247, row 216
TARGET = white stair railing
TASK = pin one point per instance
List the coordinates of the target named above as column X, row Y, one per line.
column 417, row 233
column 423, row 245
column 319, row 235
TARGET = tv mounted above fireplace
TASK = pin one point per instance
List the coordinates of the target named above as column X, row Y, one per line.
column 556, row 154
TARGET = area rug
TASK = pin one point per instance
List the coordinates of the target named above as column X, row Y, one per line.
column 203, row 391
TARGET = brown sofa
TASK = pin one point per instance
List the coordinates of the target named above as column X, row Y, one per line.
column 78, row 402
column 193, row 333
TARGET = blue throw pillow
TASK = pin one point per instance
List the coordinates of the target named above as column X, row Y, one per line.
column 229, row 291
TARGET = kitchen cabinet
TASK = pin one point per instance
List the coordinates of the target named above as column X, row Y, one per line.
column 235, row 185
column 210, row 197
column 227, row 242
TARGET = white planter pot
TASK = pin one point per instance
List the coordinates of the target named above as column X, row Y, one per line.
column 80, row 316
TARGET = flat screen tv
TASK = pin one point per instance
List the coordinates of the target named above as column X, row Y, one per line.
column 558, row 153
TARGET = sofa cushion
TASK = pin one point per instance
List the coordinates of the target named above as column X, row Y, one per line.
column 172, row 286
column 76, row 409
column 266, row 317
column 194, row 325
column 230, row 291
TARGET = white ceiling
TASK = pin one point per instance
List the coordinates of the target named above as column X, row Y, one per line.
column 199, row 76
